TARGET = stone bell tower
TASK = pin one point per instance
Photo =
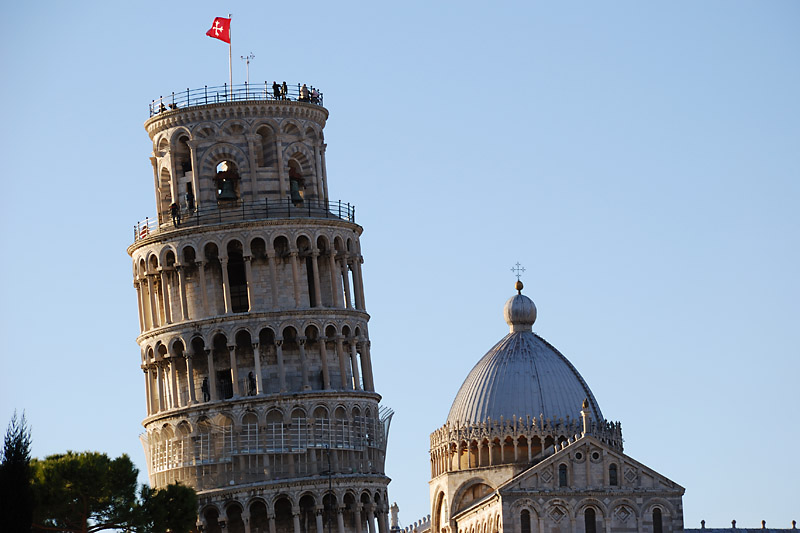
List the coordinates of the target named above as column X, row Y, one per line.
column 254, row 340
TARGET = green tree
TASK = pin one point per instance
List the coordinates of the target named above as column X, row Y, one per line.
column 16, row 496
column 84, row 492
column 173, row 509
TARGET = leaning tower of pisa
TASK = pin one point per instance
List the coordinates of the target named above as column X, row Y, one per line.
column 254, row 341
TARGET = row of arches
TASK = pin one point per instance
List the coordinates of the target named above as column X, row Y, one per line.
column 256, row 274
column 269, row 158
column 309, row 512
column 593, row 516
column 268, row 444
column 268, row 361
column 477, row 453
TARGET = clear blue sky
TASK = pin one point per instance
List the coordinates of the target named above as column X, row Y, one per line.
column 639, row 158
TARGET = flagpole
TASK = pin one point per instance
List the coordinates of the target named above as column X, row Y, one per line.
column 230, row 56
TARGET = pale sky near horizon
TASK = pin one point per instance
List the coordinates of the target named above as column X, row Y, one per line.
column 640, row 159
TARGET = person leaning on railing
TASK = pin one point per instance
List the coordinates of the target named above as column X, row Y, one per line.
column 304, row 93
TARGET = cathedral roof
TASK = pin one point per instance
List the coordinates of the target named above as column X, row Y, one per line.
column 522, row 375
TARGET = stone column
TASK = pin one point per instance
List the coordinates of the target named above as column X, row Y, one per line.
column 212, row 376
column 201, row 271
column 246, row 520
column 296, row 521
column 354, row 365
column 383, row 521
column 193, row 155
column 248, row 273
column 340, row 519
column 315, row 273
column 281, row 367
column 234, row 371
column 371, row 517
column 271, row 521
column 182, row 292
column 357, row 516
column 301, row 342
column 318, row 516
column 226, row 285
column 295, row 279
column 153, row 304
column 335, row 285
column 176, row 402
column 323, row 357
column 341, row 355
column 137, row 284
column 162, row 405
column 257, row 359
column 348, row 301
column 281, row 169
column 318, row 181
column 273, row 280
column 358, row 281
column 190, row 378
column 366, row 366
column 324, row 170
column 165, row 293
column 148, row 392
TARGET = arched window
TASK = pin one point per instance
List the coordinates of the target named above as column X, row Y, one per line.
column 612, row 475
column 657, row 527
column 525, row 521
column 562, row 475
column 590, row 520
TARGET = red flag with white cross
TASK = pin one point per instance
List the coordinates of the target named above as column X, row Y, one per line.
column 221, row 29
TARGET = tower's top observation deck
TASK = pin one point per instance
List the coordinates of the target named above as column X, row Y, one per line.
column 236, row 93
column 239, row 153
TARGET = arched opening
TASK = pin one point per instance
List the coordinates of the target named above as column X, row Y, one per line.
column 211, row 518
column 562, row 476
column 304, row 252
column 296, row 182
column 234, row 524
column 249, row 434
column 525, row 521
column 226, row 181
column 657, row 524
column 259, row 521
column 213, row 278
column 329, row 506
column 164, row 194
column 472, row 494
column 283, row 516
column 307, row 516
column 222, row 365
column 237, row 278
column 299, row 436
column 590, row 520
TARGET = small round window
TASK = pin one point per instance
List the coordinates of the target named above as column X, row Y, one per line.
column 595, row 456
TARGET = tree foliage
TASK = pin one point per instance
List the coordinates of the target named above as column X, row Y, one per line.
column 16, row 496
column 88, row 492
column 84, row 492
column 171, row 509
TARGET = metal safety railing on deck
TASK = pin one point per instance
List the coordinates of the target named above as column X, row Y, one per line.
column 234, row 93
column 244, row 211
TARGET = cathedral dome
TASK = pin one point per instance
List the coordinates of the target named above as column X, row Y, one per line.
column 522, row 376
